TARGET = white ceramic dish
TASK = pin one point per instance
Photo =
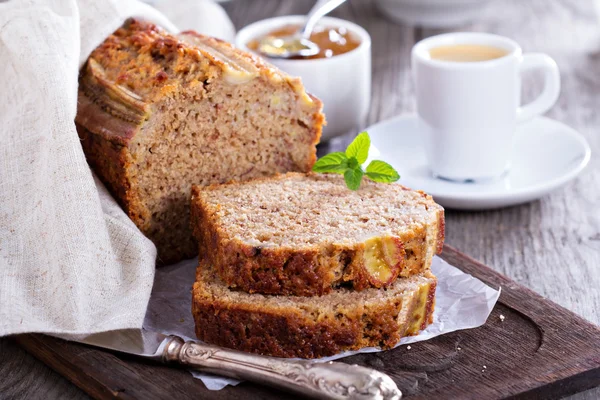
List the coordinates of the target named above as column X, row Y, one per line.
column 342, row 82
column 432, row 13
column 546, row 155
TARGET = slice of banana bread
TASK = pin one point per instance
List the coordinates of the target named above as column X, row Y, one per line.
column 304, row 234
column 310, row 327
column 158, row 113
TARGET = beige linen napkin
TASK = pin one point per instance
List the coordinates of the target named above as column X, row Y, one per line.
column 71, row 262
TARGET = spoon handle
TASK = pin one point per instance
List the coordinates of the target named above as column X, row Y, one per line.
column 321, row 8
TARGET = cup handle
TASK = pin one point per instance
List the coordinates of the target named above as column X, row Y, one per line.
column 549, row 95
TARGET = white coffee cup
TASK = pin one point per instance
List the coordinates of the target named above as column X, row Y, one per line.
column 342, row 82
column 468, row 111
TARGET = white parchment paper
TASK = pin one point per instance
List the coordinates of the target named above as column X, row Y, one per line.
column 462, row 302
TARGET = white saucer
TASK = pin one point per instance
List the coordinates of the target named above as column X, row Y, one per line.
column 546, row 155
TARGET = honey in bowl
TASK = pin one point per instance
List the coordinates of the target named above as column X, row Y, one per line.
column 331, row 41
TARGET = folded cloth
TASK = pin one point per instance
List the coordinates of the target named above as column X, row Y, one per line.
column 71, row 262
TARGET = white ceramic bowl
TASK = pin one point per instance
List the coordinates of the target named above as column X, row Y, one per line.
column 342, row 82
column 432, row 13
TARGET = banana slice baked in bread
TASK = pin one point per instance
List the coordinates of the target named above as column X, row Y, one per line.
column 310, row 327
column 160, row 112
column 306, row 234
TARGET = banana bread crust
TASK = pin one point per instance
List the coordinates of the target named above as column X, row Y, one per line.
column 255, row 327
column 309, row 270
column 110, row 160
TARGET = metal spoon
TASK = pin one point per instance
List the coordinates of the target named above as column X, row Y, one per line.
column 298, row 44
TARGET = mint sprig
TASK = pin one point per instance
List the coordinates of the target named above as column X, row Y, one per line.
column 349, row 163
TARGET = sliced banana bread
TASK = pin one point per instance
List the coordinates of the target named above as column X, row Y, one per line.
column 158, row 113
column 310, row 327
column 304, row 234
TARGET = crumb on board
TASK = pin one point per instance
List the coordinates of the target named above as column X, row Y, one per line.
column 408, row 347
column 458, row 348
column 502, row 317
column 182, row 320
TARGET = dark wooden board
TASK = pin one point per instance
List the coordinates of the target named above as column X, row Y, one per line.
column 539, row 350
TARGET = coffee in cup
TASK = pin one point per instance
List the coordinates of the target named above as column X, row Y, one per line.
column 468, row 88
column 466, row 53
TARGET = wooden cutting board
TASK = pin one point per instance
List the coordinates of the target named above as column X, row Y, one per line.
column 529, row 348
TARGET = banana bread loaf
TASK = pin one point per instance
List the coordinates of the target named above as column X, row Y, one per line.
column 158, row 113
column 310, row 327
column 305, row 234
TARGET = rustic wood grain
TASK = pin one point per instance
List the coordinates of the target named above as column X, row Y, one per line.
column 536, row 350
column 551, row 246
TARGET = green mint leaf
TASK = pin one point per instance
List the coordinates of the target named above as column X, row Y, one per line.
column 332, row 162
column 380, row 171
column 353, row 178
column 359, row 147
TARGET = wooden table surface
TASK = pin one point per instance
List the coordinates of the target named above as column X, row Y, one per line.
column 551, row 245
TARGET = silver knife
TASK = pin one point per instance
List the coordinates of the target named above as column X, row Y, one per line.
column 328, row 380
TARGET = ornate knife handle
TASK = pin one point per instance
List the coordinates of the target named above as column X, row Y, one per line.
column 329, row 380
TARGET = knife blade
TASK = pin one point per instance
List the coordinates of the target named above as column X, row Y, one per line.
column 324, row 380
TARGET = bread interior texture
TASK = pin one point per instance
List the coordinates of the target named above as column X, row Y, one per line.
column 214, row 133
